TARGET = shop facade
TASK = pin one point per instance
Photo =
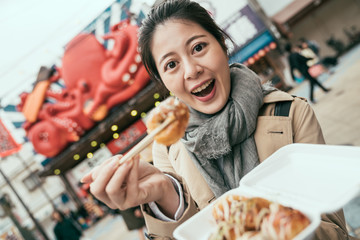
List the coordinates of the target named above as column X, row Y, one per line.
column 120, row 128
column 332, row 24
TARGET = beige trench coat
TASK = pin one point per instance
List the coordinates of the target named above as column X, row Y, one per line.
column 272, row 132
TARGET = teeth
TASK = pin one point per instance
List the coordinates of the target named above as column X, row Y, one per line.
column 202, row 87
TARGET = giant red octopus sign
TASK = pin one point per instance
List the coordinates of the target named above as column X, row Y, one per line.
column 96, row 80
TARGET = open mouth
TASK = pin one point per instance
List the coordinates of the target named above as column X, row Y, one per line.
column 204, row 89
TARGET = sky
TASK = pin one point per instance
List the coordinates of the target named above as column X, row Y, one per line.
column 34, row 33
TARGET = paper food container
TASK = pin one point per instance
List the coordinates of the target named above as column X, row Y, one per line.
column 312, row 178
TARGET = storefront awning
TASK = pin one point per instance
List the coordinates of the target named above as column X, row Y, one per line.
column 252, row 48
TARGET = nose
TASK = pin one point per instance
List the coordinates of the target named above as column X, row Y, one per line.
column 192, row 69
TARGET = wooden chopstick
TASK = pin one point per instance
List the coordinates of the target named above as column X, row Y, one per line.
column 146, row 141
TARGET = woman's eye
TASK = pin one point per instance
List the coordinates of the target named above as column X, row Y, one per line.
column 199, row 47
column 170, row 65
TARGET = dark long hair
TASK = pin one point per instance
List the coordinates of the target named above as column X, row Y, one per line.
column 174, row 9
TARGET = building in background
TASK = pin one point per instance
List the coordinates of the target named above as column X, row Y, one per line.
column 44, row 183
column 333, row 24
column 24, row 197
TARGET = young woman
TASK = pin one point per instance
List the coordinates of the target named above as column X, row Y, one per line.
column 232, row 125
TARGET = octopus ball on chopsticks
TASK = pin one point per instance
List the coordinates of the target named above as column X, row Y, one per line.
column 170, row 108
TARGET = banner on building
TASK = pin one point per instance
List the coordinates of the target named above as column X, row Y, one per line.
column 8, row 145
column 127, row 137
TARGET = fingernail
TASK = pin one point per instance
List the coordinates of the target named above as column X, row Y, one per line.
column 129, row 162
column 114, row 162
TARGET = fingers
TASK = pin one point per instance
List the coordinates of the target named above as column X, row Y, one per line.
column 101, row 177
column 114, row 185
column 91, row 176
column 132, row 185
column 87, row 178
column 117, row 188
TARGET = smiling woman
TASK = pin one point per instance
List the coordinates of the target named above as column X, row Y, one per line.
column 232, row 126
column 192, row 64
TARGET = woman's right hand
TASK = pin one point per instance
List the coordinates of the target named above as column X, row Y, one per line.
column 132, row 183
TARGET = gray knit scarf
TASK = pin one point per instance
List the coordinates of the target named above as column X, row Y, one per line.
column 222, row 145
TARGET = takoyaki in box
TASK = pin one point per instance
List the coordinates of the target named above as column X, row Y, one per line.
column 283, row 197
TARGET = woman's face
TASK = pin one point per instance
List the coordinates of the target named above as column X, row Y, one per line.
column 192, row 65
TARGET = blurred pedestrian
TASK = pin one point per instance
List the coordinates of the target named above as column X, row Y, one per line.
column 65, row 228
column 313, row 45
column 307, row 52
column 73, row 216
column 299, row 62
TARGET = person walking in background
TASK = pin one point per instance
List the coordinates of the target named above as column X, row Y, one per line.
column 299, row 62
column 65, row 229
column 316, row 65
column 307, row 52
column 72, row 216
column 311, row 44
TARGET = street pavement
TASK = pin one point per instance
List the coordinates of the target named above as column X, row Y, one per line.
column 338, row 113
column 110, row 228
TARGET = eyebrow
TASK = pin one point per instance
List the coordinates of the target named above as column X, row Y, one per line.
column 186, row 44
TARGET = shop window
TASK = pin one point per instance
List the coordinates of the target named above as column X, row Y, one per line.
column 32, row 181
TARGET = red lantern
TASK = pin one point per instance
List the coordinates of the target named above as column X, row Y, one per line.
column 272, row 45
column 251, row 61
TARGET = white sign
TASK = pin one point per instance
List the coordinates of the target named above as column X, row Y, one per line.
column 220, row 10
column 86, row 165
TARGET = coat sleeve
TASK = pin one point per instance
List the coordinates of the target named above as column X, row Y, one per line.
column 161, row 158
column 158, row 229
column 306, row 129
